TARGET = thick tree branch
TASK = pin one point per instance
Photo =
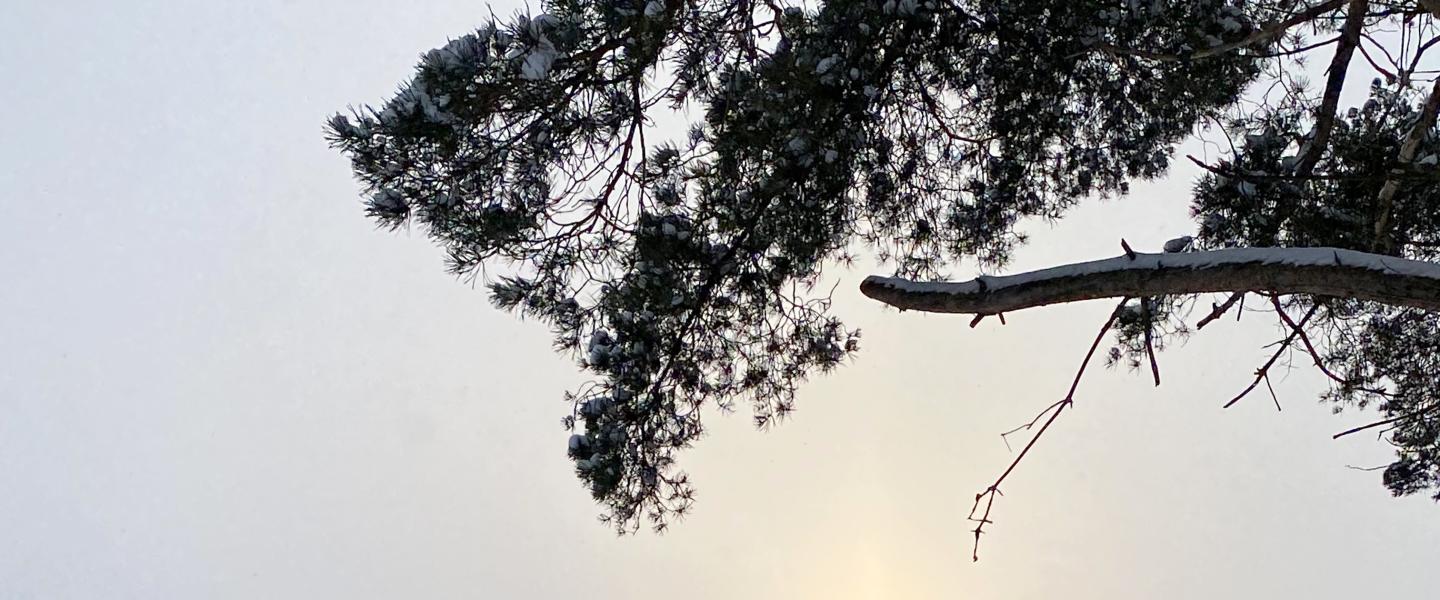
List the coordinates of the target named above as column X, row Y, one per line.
column 1339, row 65
column 1263, row 373
column 1321, row 271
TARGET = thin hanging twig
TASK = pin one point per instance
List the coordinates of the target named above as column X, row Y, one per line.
column 1054, row 410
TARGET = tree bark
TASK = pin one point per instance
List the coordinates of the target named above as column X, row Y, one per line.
column 1321, row 271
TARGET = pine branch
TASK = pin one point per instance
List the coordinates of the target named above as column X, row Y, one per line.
column 1321, row 271
column 1410, row 415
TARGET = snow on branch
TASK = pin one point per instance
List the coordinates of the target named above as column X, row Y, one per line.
column 1322, row 271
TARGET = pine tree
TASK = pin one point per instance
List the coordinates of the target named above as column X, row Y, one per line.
column 681, row 269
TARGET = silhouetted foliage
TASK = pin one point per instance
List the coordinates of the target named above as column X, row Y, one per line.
column 680, row 267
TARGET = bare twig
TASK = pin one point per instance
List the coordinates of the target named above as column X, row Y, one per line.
column 1264, row 369
column 1404, row 417
column 988, row 496
column 1026, row 426
column 1150, row 340
column 1415, row 60
column 1315, row 354
column 1218, row 310
column 1272, row 393
column 1389, row 75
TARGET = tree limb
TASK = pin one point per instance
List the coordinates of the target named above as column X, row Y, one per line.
column 1322, row 271
column 1339, row 65
column 1408, row 148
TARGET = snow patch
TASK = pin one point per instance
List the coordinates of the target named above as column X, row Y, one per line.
column 1298, row 257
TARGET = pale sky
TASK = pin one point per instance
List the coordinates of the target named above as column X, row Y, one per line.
column 218, row 380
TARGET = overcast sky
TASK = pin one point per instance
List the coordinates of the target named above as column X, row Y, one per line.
column 218, row 380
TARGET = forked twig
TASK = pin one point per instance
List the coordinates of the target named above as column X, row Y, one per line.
column 988, row 496
column 1005, row 437
column 1265, row 369
column 1315, row 354
column 1218, row 310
